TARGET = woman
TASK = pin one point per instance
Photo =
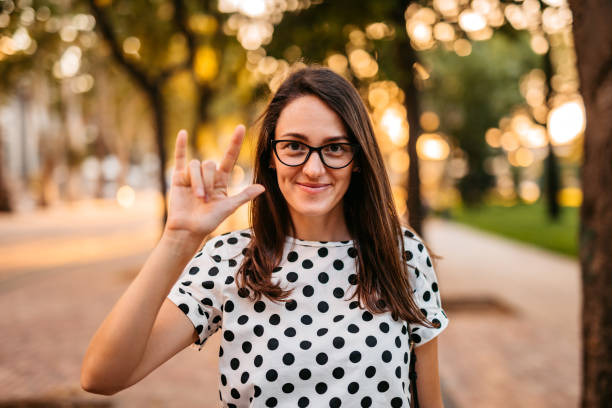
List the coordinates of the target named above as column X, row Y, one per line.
column 315, row 298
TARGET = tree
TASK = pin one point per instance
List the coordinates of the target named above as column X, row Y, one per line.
column 593, row 42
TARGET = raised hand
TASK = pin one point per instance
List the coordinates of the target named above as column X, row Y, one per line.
column 198, row 200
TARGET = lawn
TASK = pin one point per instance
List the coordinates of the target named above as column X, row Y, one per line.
column 527, row 223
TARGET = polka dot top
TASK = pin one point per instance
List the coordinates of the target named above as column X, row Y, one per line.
column 321, row 348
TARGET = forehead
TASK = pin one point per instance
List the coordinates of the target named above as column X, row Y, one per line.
column 310, row 117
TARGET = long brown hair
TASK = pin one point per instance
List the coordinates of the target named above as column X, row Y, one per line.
column 369, row 211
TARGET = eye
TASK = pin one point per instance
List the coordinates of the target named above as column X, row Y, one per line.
column 295, row 146
column 336, row 148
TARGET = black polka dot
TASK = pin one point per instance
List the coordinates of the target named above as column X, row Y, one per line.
column 338, row 373
column 321, row 388
column 218, row 243
column 352, row 279
column 243, row 319
column 274, row 319
column 308, row 291
column 271, row 402
column 338, row 264
column 258, row 330
column 272, row 344
column 306, row 319
column 288, row 359
column 247, row 346
column 370, row 371
column 386, row 356
column 353, row 387
column 384, row 327
column 335, row 402
column 337, row 318
column 352, row 252
column 232, row 240
column 291, row 305
column 366, row 402
column 338, row 342
column 244, row 377
column 398, row 372
column 292, row 256
column 355, row 356
column 235, row 394
column 322, row 252
column 367, row 316
column 208, row 284
column 290, row 332
column 338, row 293
column 415, row 337
column 216, row 258
column 229, row 280
column 305, row 345
column 232, row 262
column 307, row 264
column 292, row 277
column 213, row 271
column 383, row 386
column 234, row 363
column 271, row 375
column 371, row 341
column 321, row 358
column 353, row 328
column 322, row 332
column 323, row 277
column 228, row 335
column 303, row 402
column 323, row 307
column 258, row 360
column 223, row 379
column 259, row 306
column 396, row 402
column 305, row 374
column 184, row 308
column 193, row 270
column 426, row 296
column 288, row 388
column 434, row 286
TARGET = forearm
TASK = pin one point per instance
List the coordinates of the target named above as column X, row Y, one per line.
column 118, row 345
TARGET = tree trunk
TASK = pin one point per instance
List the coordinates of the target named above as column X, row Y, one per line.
column 593, row 43
column 552, row 178
column 406, row 58
column 157, row 103
column 5, row 196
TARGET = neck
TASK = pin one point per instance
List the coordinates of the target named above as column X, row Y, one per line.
column 328, row 227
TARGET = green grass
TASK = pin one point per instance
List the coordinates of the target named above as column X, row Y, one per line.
column 526, row 223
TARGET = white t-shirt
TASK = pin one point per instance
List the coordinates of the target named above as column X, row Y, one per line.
column 318, row 350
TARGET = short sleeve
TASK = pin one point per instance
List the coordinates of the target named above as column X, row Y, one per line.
column 425, row 289
column 198, row 293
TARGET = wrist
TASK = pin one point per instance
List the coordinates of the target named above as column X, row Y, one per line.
column 181, row 241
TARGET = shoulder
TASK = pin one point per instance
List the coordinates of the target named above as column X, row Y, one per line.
column 415, row 250
column 227, row 245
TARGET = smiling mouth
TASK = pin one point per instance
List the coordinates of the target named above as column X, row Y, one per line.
column 313, row 188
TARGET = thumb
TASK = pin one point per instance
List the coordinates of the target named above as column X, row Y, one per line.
column 245, row 195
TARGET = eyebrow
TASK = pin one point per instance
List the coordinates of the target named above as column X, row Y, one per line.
column 326, row 140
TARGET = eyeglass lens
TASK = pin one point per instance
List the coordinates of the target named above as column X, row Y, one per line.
column 294, row 153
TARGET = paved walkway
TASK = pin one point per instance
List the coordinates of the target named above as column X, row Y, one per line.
column 62, row 270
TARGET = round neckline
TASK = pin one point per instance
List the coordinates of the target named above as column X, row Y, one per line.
column 297, row 241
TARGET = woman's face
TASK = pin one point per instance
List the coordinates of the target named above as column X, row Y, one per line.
column 311, row 189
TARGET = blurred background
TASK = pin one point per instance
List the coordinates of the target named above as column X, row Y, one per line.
column 477, row 111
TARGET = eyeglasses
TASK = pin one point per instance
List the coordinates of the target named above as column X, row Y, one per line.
column 334, row 155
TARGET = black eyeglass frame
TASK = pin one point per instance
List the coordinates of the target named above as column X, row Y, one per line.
column 355, row 147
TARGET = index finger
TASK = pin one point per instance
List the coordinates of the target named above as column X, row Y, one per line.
column 231, row 156
column 180, row 150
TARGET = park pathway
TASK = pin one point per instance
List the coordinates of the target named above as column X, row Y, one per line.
column 513, row 340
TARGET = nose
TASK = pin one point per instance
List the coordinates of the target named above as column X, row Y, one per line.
column 314, row 167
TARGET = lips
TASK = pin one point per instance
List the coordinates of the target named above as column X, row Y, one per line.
column 313, row 188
